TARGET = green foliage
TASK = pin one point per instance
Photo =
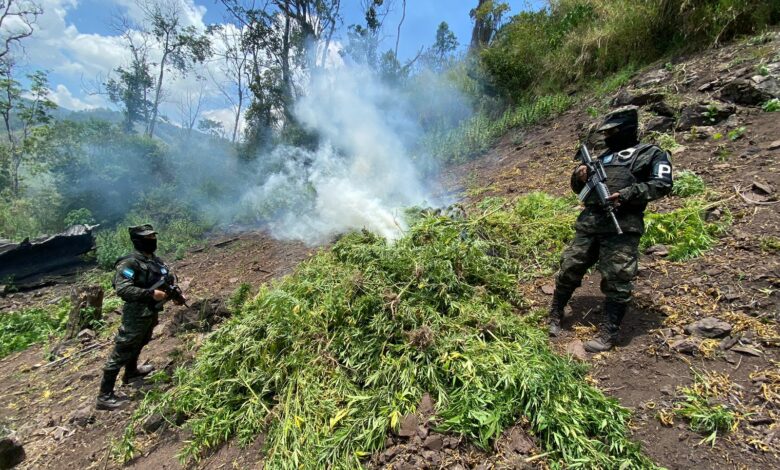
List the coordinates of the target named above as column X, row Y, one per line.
column 700, row 408
column 328, row 360
column 79, row 216
column 578, row 40
column 684, row 230
column 772, row 105
column 612, row 83
column 175, row 237
column 29, row 217
column 665, row 141
column 736, row 134
column 770, row 244
column 239, row 297
column 20, row 329
column 688, row 183
column 478, row 133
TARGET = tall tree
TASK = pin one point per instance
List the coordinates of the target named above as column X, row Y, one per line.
column 17, row 18
column 488, row 17
column 190, row 106
column 440, row 52
column 180, row 46
column 235, row 64
column 22, row 112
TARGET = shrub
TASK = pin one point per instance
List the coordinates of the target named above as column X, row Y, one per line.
column 688, row 183
column 79, row 216
column 328, row 360
column 478, row 133
column 700, row 408
column 174, row 238
column 576, row 40
column 20, row 329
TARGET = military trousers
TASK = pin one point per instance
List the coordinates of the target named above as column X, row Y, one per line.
column 133, row 335
column 617, row 257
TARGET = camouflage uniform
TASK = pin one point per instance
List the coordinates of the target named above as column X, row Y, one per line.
column 636, row 179
column 134, row 277
column 640, row 173
column 134, row 280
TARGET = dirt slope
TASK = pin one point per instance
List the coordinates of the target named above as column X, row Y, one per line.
column 737, row 281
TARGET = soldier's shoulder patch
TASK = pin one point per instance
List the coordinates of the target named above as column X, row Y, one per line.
column 128, row 272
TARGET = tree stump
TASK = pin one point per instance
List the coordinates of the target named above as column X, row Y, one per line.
column 86, row 309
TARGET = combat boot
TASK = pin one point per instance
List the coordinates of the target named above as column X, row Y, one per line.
column 608, row 330
column 106, row 400
column 559, row 301
column 136, row 372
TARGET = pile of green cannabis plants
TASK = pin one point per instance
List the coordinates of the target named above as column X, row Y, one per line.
column 327, row 361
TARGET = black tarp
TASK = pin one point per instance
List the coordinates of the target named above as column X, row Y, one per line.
column 45, row 254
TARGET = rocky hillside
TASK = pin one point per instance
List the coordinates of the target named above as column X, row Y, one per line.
column 699, row 349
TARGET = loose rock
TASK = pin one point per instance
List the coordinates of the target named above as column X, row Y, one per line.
column 763, row 188
column 658, row 250
column 82, row 417
column 659, row 124
column 685, row 345
column 743, row 92
column 704, row 114
column 576, row 349
column 709, row 327
column 636, row 98
column 409, row 425
column 661, row 108
column 434, row 442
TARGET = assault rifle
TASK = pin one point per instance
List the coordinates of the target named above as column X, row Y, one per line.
column 167, row 284
column 597, row 180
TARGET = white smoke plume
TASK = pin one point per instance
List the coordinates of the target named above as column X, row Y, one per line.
column 361, row 176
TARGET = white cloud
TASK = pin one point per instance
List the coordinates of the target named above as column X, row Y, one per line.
column 74, row 58
column 65, row 99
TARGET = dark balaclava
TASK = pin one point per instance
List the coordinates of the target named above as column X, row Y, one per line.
column 622, row 126
column 145, row 245
column 139, row 236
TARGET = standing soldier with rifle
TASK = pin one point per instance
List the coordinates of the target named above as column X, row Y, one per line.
column 145, row 283
column 615, row 189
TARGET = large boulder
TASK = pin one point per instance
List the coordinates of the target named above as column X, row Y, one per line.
column 704, row 114
column 746, row 92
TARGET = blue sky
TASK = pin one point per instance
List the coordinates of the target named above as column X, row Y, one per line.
column 75, row 43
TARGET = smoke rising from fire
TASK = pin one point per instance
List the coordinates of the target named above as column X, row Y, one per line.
column 364, row 173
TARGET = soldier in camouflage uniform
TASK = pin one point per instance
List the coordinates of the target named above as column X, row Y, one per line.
column 134, row 281
column 636, row 174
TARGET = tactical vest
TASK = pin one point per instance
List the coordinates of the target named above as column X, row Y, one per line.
column 152, row 270
column 619, row 167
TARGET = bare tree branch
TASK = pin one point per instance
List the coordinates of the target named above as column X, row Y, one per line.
column 17, row 18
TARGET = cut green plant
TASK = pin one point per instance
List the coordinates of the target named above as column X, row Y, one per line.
column 687, row 183
column 700, row 406
column 327, row 361
column 685, row 231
